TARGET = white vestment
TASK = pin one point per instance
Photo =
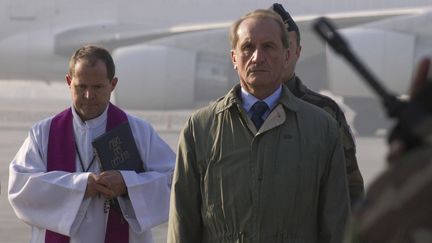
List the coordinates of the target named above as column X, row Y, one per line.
column 55, row 200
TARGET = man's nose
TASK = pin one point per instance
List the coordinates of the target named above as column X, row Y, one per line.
column 258, row 55
column 89, row 94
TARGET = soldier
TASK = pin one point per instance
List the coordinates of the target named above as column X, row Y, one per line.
column 398, row 208
column 295, row 85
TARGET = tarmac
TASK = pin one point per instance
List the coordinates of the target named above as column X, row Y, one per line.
column 19, row 112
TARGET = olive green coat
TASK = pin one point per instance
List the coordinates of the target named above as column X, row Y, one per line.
column 283, row 183
column 354, row 176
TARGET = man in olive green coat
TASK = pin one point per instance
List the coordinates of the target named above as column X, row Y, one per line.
column 259, row 165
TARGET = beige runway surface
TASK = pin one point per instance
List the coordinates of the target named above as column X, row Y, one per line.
column 17, row 115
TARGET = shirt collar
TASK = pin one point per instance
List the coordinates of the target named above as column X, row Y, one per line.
column 95, row 122
column 287, row 99
column 249, row 99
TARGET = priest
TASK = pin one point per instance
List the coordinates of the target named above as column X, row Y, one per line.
column 55, row 180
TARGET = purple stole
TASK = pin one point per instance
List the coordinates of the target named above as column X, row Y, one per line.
column 61, row 156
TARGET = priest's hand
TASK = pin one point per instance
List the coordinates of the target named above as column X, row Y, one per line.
column 112, row 180
column 94, row 188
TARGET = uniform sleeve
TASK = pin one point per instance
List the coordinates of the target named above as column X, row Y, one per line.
column 355, row 179
column 185, row 223
column 334, row 207
column 51, row 200
column 147, row 203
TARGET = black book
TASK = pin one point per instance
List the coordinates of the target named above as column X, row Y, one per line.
column 117, row 150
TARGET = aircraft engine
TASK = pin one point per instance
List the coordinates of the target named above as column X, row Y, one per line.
column 154, row 77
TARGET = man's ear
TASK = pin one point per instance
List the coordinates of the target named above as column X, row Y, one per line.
column 68, row 80
column 234, row 59
column 298, row 51
column 114, row 83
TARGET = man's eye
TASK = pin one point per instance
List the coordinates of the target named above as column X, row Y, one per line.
column 247, row 49
column 268, row 46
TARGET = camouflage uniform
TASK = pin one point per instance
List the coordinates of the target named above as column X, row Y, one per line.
column 398, row 208
column 355, row 179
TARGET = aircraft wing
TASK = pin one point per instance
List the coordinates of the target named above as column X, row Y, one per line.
column 114, row 35
column 350, row 19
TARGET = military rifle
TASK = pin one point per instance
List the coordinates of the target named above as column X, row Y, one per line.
column 413, row 118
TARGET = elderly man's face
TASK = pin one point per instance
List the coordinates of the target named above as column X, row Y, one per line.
column 259, row 56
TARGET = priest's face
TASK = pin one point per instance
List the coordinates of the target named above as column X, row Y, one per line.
column 90, row 88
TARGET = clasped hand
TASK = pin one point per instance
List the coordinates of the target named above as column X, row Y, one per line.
column 109, row 184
